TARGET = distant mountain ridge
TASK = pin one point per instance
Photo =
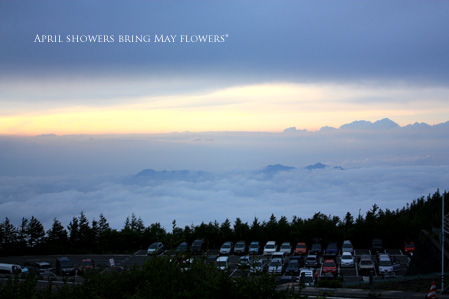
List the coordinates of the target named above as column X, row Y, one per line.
column 149, row 176
column 321, row 166
column 382, row 124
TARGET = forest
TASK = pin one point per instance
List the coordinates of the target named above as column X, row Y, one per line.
column 96, row 236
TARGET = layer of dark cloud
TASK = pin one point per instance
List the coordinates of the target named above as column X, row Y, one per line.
column 282, row 40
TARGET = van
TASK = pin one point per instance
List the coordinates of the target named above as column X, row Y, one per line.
column 198, row 246
column 223, row 263
column 64, row 266
column 8, row 269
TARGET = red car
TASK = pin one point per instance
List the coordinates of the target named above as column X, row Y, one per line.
column 86, row 265
column 409, row 247
column 300, row 249
column 329, row 266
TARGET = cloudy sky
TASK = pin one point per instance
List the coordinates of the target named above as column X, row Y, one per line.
column 83, row 115
column 276, row 64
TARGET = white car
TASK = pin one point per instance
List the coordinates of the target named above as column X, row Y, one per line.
column 155, row 248
column 258, row 266
column 347, row 247
column 270, row 248
column 227, row 248
column 347, row 260
column 286, row 247
column 307, row 276
column 276, row 266
column 223, row 262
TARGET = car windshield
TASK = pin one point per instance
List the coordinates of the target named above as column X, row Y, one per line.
column 366, row 263
column 269, row 246
column 384, row 263
column 311, row 259
column 347, row 246
column 253, row 246
column 300, row 246
column 332, row 246
column 45, row 266
column 239, row 245
column 86, row 263
column 66, row 264
column 153, row 246
column 226, row 246
column 293, row 263
column 410, row 245
column 286, row 246
column 346, row 257
column 275, row 263
column 329, row 264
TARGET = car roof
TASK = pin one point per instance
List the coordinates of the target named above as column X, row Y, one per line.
column 222, row 258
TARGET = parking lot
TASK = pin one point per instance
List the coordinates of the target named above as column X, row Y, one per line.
column 350, row 274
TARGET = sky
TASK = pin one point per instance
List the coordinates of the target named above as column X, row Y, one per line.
column 274, row 65
column 92, row 92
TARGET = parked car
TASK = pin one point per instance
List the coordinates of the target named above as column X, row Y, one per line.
column 312, row 261
column 366, row 265
column 316, row 249
column 240, row 247
column 223, row 263
column 259, row 266
column 347, row 247
column 307, row 277
column 9, row 269
column 270, row 247
column 254, row 247
column 409, row 247
column 245, row 262
column 329, row 266
column 86, row 265
column 299, row 258
column 42, row 267
column 385, row 265
column 331, row 250
column 377, row 245
column 279, row 255
column 64, row 266
column 155, row 248
column 227, row 248
column 286, row 247
column 292, row 267
column 183, row 247
column 301, row 249
column 276, row 266
column 198, row 246
column 212, row 260
column 347, row 260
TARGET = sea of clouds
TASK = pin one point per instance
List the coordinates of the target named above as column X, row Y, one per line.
column 213, row 176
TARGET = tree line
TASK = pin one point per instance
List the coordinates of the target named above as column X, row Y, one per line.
column 96, row 236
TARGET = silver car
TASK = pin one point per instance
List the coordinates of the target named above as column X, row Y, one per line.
column 347, row 260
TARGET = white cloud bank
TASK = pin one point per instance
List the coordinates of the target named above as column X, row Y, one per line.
column 60, row 176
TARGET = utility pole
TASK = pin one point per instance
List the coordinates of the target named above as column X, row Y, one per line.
column 444, row 231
